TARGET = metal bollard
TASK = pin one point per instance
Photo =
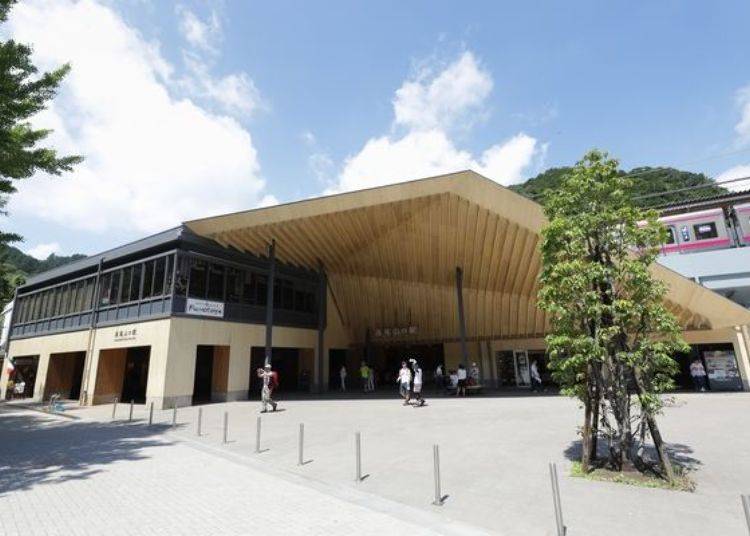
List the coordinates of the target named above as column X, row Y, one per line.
column 746, row 506
column 226, row 424
column 358, row 450
column 130, row 415
column 438, row 492
column 151, row 414
column 301, row 443
column 114, row 408
column 257, row 436
column 561, row 529
column 174, row 414
column 198, row 425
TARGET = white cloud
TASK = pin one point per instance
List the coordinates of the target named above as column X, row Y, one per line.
column 152, row 159
column 736, row 172
column 42, row 251
column 444, row 99
column 430, row 106
column 235, row 93
column 742, row 128
column 200, row 33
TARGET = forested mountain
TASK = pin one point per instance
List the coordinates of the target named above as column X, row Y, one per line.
column 18, row 265
column 646, row 181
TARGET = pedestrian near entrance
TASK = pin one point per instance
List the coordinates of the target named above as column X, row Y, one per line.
column 461, row 389
column 698, row 374
column 417, row 385
column 536, row 379
column 270, row 382
column 439, row 382
column 364, row 374
column 474, row 374
column 403, row 380
column 342, row 375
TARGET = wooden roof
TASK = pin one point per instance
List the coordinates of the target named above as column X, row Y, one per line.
column 391, row 253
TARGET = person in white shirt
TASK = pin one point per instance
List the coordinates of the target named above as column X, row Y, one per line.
column 453, row 379
column 474, row 374
column 342, row 374
column 461, row 390
column 698, row 374
column 536, row 379
column 417, row 385
column 404, row 379
column 439, row 377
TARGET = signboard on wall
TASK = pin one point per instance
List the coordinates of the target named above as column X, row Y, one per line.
column 204, row 308
column 721, row 367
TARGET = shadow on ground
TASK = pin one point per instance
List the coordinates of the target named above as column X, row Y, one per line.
column 680, row 454
column 38, row 449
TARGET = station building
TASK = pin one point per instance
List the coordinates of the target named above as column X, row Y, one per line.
column 443, row 269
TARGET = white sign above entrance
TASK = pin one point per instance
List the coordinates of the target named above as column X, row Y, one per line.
column 204, row 308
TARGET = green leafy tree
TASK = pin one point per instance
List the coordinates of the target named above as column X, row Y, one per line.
column 23, row 93
column 611, row 337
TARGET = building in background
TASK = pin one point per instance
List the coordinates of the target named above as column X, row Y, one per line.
column 442, row 269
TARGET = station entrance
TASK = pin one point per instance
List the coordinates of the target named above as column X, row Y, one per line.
column 64, row 375
column 385, row 361
column 122, row 373
column 211, row 374
column 23, row 377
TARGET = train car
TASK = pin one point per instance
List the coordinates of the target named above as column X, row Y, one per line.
column 743, row 219
column 697, row 231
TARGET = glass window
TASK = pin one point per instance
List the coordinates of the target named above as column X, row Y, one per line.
column 310, row 302
column 44, row 296
column 197, row 281
column 135, row 283
column 670, row 235
column 249, row 289
column 235, row 280
column 261, row 289
column 127, row 275
column 159, row 276
column 277, row 293
column 71, row 300
column 181, row 280
column 49, row 310
column 104, row 283
column 114, row 287
column 704, row 231
column 216, row 282
column 685, row 233
column 148, row 279
column 169, row 263
column 89, row 298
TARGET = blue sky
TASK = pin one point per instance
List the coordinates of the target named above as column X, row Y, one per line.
column 190, row 109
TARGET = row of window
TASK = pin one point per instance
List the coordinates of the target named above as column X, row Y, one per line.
column 149, row 279
column 69, row 298
column 198, row 278
column 702, row 231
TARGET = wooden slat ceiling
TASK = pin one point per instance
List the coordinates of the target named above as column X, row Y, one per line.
column 391, row 254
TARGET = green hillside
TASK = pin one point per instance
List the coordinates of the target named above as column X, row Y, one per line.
column 646, row 181
column 17, row 266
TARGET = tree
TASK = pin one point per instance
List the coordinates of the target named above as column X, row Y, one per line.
column 612, row 336
column 22, row 95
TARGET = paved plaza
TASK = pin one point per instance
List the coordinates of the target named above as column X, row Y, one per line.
column 90, row 475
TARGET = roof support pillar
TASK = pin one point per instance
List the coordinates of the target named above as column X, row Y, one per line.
column 461, row 317
column 269, row 299
column 322, row 320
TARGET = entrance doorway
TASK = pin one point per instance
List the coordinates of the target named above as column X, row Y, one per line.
column 23, row 377
column 429, row 356
column 136, row 374
column 293, row 375
column 211, row 373
column 122, row 373
column 64, row 375
column 718, row 361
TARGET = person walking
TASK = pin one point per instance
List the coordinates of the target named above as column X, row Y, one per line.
column 536, row 379
column 461, row 389
column 270, row 382
column 364, row 374
column 342, row 375
column 474, row 374
column 698, row 374
column 439, row 382
column 417, row 384
column 371, row 380
column 403, row 380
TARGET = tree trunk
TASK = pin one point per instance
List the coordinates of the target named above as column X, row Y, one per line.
column 594, row 447
column 653, row 428
column 586, row 431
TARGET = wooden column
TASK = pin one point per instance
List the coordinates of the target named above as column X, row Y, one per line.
column 322, row 296
column 269, row 300
column 461, row 317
